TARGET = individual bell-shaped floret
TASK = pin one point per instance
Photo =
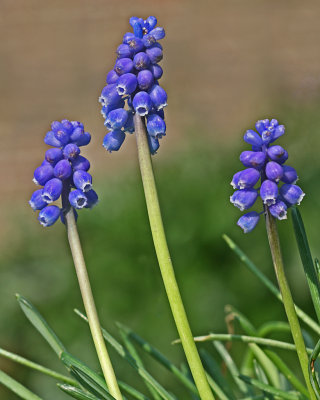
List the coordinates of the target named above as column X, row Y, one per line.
column 82, row 180
column 83, row 140
column 49, row 215
column 112, row 76
column 141, row 61
column 248, row 222
column 155, row 53
column 43, row 174
column 278, row 131
column 292, row 194
column 278, row 210
column 244, row 199
column 136, row 44
column 126, row 84
column 62, row 170
column 78, row 199
column 124, row 51
column 153, row 144
column 254, row 159
column 158, row 33
column 289, row 174
column 158, row 96
column 248, row 178
column 274, row 171
column 145, row 79
column 116, row 119
column 129, row 125
column 156, row 70
column 142, row 103
column 148, row 40
column 80, row 163
column 36, row 202
column 251, row 137
column 152, row 21
column 235, row 180
column 76, row 134
column 53, row 156
column 106, row 109
column 52, row 190
column 269, row 192
column 156, row 126
column 71, row 151
column 110, row 95
column 51, row 140
column 278, row 154
column 92, row 198
column 262, row 125
column 62, row 136
column 123, row 66
column 113, row 140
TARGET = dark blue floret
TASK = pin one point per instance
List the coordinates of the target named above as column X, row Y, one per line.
column 265, row 163
column 133, row 85
column 62, row 170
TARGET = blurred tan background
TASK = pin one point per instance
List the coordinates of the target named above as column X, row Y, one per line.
column 226, row 64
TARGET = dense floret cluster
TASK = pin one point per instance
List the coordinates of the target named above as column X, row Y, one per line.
column 132, row 86
column 63, row 170
column 265, row 163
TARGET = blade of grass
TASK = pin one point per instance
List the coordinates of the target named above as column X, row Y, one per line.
column 41, row 325
column 132, row 391
column 306, row 258
column 77, row 393
column 312, row 371
column 124, row 354
column 266, row 364
column 261, row 377
column 251, row 266
column 273, row 326
column 17, row 388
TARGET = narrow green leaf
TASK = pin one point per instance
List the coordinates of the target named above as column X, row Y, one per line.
column 272, row 327
column 270, row 389
column 77, row 393
column 86, row 376
column 231, row 365
column 40, row 324
column 312, row 371
column 273, row 289
column 132, row 391
column 266, row 364
column 216, row 389
column 157, row 355
column 261, row 377
column 244, row 322
column 17, row 388
column 124, row 354
column 306, row 258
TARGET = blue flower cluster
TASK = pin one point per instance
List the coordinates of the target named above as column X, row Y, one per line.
column 63, row 170
column 132, row 86
column 265, row 162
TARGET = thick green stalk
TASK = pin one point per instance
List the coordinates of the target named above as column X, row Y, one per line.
column 166, row 267
column 274, row 243
column 88, row 302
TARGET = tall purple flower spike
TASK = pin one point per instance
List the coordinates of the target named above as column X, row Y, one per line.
column 265, row 163
column 133, row 87
column 63, row 170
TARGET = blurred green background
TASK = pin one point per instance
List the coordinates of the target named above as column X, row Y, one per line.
column 227, row 64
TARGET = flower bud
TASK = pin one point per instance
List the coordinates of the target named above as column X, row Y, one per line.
column 156, row 126
column 49, row 215
column 158, row 96
column 278, row 131
column 142, row 103
column 136, row 44
column 274, row 171
column 158, row 33
column 106, row 109
column 36, row 202
column 52, row 190
column 113, row 140
column 128, row 37
column 123, row 51
column 123, row 66
column 137, row 30
column 154, row 53
column 110, row 95
column 62, row 136
column 129, row 125
column 269, row 192
column 51, row 140
column 67, row 126
column 278, row 154
column 141, row 61
column 71, row 151
column 251, row 137
column 116, row 119
column 255, row 159
column 92, row 198
column 292, row 194
column 82, row 180
column 53, row 156
column 244, row 199
column 83, row 139
column 248, row 221
column 77, row 199
column 62, row 170
column 156, row 70
column 262, row 125
column 43, row 174
column 278, row 210
column 152, row 21
column 289, row 174
column 148, row 40
column 80, row 163
column 126, row 84
column 112, row 76
column 145, row 79
column 153, row 144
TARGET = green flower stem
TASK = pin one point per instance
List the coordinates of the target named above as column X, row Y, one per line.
column 89, row 304
column 166, row 267
column 274, row 243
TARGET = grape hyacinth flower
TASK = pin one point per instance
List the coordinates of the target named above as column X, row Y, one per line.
column 133, row 87
column 63, row 173
column 265, row 163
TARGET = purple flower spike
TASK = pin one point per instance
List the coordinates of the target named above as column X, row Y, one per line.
column 289, row 174
column 49, row 215
column 292, row 194
column 274, row 171
column 113, row 140
column 278, row 210
column 244, row 199
column 248, row 222
column 269, row 192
